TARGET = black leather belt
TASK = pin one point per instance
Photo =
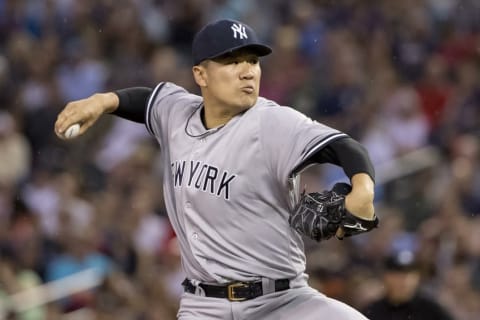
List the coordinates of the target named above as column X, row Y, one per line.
column 235, row 291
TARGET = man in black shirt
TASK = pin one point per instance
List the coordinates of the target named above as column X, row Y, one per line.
column 402, row 299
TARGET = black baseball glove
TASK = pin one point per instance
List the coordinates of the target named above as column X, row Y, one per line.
column 319, row 215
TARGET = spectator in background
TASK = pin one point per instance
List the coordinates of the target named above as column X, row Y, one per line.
column 434, row 90
column 402, row 299
column 14, row 152
column 23, row 251
column 15, row 277
column 465, row 156
column 404, row 125
column 80, row 254
column 6, row 84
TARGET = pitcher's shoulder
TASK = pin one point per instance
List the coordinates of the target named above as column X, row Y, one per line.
column 263, row 103
column 271, row 108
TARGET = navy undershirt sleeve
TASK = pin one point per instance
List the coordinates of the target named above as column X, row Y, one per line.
column 348, row 154
column 133, row 103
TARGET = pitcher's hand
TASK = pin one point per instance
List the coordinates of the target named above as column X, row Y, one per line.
column 85, row 112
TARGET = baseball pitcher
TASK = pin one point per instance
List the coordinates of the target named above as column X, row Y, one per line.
column 231, row 182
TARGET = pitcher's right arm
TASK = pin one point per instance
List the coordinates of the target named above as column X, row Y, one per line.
column 129, row 103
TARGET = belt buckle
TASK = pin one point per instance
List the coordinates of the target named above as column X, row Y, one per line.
column 230, row 291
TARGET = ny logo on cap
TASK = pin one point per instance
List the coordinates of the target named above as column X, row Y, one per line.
column 240, row 30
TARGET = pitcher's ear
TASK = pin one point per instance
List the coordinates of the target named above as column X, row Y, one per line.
column 199, row 74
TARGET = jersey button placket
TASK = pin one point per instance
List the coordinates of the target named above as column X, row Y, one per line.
column 188, row 207
column 194, row 235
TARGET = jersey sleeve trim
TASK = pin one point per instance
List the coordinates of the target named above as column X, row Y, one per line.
column 148, row 109
column 314, row 149
column 322, row 143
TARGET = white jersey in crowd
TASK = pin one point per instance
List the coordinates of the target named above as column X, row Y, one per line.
column 226, row 189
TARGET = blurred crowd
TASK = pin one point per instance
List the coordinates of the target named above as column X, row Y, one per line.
column 399, row 76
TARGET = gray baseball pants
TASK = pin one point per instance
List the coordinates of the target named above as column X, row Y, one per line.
column 298, row 303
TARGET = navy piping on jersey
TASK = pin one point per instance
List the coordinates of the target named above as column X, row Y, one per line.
column 148, row 110
column 308, row 153
column 207, row 132
column 322, row 143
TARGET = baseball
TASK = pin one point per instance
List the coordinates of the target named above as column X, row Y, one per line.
column 72, row 131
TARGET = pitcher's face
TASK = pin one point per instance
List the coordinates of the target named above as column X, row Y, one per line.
column 231, row 80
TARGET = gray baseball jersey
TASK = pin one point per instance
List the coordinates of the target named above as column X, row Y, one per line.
column 226, row 189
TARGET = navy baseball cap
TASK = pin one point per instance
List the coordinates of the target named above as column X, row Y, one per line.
column 223, row 36
column 403, row 260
